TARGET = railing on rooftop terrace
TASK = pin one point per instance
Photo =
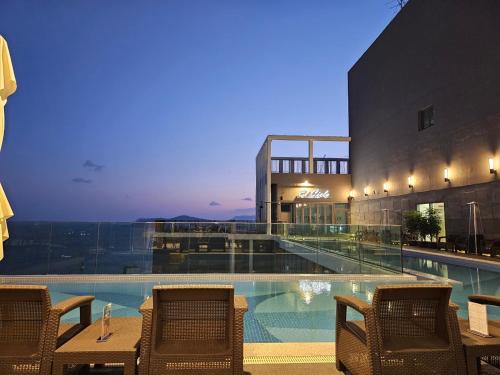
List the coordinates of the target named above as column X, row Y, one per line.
column 301, row 165
column 39, row 248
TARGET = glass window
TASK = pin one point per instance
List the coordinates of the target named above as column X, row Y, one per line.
column 285, row 207
column 328, row 214
column 344, row 167
column 275, row 166
column 340, row 213
column 320, row 166
column 314, row 214
column 297, row 166
column 439, row 208
column 307, row 214
column 332, row 167
column 425, row 118
column 286, row 166
column 306, row 166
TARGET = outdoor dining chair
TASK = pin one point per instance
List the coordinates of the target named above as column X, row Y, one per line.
column 192, row 329
column 30, row 329
column 407, row 329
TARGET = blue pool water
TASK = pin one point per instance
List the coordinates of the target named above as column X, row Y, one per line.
column 472, row 280
column 293, row 311
column 298, row 310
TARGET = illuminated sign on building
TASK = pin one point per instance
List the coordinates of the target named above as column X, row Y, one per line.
column 314, row 194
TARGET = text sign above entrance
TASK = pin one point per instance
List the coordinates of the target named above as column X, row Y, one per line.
column 314, row 194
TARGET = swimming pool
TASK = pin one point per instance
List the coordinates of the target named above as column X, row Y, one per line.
column 292, row 311
column 282, row 308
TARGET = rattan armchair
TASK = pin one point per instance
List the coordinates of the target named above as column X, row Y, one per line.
column 192, row 329
column 408, row 329
column 30, row 328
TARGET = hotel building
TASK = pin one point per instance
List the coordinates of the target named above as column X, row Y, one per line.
column 424, row 126
column 424, row 117
column 288, row 190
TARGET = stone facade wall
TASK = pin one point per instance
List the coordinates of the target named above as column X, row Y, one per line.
column 371, row 211
column 445, row 54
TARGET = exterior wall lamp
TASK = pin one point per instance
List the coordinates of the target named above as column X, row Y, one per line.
column 411, row 182
column 367, row 191
column 446, row 175
column 491, row 163
column 386, row 187
column 351, row 194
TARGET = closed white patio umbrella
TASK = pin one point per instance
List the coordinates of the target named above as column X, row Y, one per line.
column 7, row 87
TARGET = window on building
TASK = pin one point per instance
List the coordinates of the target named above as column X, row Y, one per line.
column 306, row 166
column 286, row 166
column 425, row 118
column 320, row 166
column 275, row 166
column 297, row 166
column 440, row 211
column 343, row 167
column 285, row 207
column 332, row 167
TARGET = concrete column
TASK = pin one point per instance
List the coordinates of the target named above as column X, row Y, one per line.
column 311, row 156
column 250, row 256
column 268, row 187
column 232, row 259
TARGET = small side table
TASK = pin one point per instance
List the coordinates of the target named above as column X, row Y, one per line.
column 121, row 347
column 476, row 347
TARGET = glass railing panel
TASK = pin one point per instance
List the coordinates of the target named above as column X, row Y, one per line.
column 73, row 248
column 27, row 251
column 124, row 248
column 206, row 247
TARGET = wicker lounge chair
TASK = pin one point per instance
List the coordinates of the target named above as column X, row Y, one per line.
column 30, row 329
column 408, row 329
column 192, row 330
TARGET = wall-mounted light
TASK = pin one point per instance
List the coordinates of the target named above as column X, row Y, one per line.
column 366, row 191
column 386, row 187
column 491, row 164
column 446, row 175
column 411, row 182
column 351, row 194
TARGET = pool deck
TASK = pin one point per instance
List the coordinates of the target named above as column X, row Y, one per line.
column 283, row 358
column 206, row 277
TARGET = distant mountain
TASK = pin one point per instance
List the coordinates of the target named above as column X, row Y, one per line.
column 243, row 218
column 187, row 218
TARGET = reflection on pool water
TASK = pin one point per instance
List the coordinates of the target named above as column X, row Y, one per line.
column 472, row 280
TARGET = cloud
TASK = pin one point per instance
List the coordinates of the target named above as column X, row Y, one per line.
column 214, row 203
column 247, row 199
column 80, row 180
column 89, row 164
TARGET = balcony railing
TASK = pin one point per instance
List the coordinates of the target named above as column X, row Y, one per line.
column 301, row 165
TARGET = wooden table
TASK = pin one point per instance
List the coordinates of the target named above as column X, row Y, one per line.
column 121, row 347
column 476, row 346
